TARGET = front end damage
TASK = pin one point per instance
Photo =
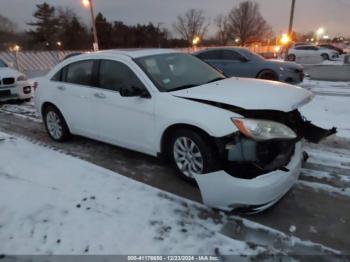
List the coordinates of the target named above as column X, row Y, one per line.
column 257, row 173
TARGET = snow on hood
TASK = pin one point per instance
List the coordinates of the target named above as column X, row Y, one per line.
column 9, row 72
column 250, row 94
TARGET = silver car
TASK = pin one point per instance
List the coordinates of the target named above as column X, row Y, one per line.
column 240, row 62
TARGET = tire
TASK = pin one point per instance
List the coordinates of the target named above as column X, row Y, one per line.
column 291, row 58
column 325, row 56
column 268, row 75
column 55, row 124
column 203, row 156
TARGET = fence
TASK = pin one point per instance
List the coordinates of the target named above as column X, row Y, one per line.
column 33, row 61
column 36, row 61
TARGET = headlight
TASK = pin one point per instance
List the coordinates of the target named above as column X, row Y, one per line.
column 263, row 129
column 22, row 78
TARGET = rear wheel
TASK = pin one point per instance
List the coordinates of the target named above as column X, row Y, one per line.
column 268, row 75
column 192, row 153
column 55, row 124
column 291, row 58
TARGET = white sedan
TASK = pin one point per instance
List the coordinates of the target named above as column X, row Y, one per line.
column 240, row 140
column 13, row 84
column 311, row 51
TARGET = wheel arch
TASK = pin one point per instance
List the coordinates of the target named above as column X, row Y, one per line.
column 269, row 70
column 170, row 130
column 45, row 105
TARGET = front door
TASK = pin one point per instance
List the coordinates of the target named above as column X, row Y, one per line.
column 124, row 121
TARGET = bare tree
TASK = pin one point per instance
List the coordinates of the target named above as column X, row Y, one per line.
column 6, row 25
column 223, row 29
column 247, row 23
column 191, row 24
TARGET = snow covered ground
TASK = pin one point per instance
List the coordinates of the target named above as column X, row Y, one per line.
column 48, row 207
column 331, row 105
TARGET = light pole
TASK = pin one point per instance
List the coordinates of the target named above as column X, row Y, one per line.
column 290, row 29
column 291, row 20
column 88, row 3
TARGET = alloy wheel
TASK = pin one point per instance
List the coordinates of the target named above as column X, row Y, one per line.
column 54, row 125
column 188, row 157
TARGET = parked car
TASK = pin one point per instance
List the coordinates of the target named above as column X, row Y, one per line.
column 332, row 47
column 71, row 55
column 13, row 84
column 240, row 62
column 239, row 139
column 311, row 50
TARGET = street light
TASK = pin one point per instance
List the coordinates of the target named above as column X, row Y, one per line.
column 89, row 4
column 320, row 31
column 16, row 48
column 196, row 40
column 285, row 39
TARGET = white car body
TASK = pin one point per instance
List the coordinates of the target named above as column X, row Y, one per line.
column 312, row 51
column 139, row 123
column 14, row 85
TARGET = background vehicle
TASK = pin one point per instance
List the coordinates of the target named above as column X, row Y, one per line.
column 240, row 62
column 332, row 47
column 13, row 84
column 311, row 50
column 218, row 132
column 71, row 55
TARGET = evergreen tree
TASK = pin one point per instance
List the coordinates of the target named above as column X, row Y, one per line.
column 46, row 26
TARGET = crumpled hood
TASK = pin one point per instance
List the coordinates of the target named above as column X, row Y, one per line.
column 9, row 72
column 250, row 94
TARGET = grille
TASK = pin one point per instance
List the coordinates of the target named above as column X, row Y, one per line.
column 8, row 81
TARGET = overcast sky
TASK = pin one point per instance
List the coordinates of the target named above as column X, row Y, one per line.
column 334, row 15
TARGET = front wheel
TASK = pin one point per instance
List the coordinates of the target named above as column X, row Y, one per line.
column 268, row 75
column 192, row 154
column 55, row 124
column 325, row 56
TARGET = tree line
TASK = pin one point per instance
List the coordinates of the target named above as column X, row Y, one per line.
column 61, row 28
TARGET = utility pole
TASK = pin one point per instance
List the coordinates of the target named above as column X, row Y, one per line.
column 95, row 44
column 291, row 20
column 290, row 29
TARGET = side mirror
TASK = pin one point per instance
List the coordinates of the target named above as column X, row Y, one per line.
column 133, row 91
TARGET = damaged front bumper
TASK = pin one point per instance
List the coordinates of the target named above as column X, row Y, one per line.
column 257, row 174
column 224, row 191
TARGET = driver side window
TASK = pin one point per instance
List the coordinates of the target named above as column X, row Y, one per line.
column 115, row 75
column 231, row 55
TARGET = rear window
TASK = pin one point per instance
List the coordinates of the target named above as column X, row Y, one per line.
column 79, row 73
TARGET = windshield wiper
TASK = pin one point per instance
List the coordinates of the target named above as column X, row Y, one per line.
column 182, row 87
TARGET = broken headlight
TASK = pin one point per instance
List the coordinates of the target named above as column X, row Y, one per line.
column 260, row 130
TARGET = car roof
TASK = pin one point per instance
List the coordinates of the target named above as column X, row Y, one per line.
column 222, row 48
column 135, row 53
column 305, row 46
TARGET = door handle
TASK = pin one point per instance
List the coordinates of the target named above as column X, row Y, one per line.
column 100, row 95
column 62, row 88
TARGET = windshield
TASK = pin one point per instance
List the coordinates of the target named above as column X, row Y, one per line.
column 2, row 63
column 175, row 71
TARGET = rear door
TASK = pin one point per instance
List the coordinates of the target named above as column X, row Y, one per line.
column 125, row 121
column 73, row 91
column 212, row 57
column 235, row 64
